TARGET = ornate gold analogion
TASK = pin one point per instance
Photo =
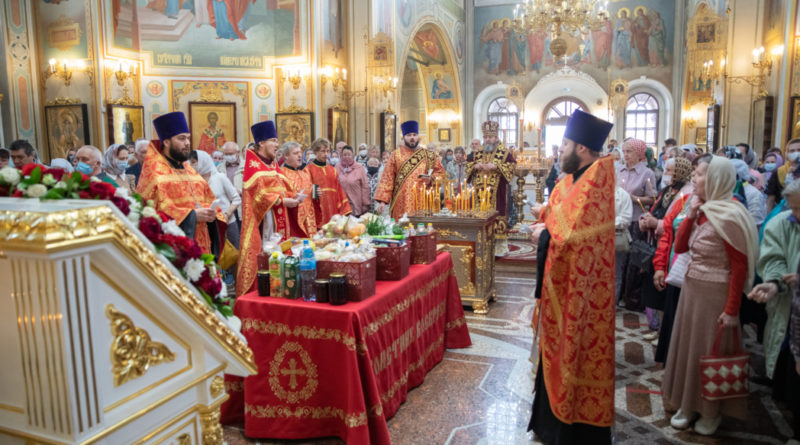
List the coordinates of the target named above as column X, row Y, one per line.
column 40, row 231
column 132, row 351
column 447, row 233
column 212, row 430
column 217, row 386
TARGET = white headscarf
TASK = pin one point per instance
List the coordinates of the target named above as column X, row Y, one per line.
column 205, row 164
column 730, row 218
column 62, row 164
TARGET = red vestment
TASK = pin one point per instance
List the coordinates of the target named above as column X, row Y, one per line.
column 263, row 188
column 577, row 322
column 332, row 199
column 401, row 174
column 302, row 223
column 176, row 192
column 211, row 140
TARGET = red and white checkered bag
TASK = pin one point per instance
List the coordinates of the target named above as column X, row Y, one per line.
column 725, row 377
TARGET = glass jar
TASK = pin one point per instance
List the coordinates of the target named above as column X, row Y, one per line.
column 322, row 287
column 263, row 283
column 337, row 289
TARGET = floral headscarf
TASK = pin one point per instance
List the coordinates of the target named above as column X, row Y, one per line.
column 638, row 146
column 683, row 171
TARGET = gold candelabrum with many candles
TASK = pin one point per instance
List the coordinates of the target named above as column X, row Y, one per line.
column 453, row 199
column 534, row 164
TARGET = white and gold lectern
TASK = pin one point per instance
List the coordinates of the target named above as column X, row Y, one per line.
column 103, row 341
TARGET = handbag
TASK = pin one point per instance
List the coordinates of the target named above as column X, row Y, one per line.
column 642, row 253
column 229, row 256
column 622, row 241
column 678, row 269
column 725, row 377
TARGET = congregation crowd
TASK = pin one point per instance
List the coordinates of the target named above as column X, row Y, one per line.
column 703, row 241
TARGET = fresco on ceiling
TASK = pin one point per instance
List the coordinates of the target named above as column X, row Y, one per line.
column 223, row 34
column 635, row 41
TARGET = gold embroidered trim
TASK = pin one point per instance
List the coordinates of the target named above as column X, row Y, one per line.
column 384, row 358
column 308, row 332
column 389, row 394
column 307, row 370
column 236, row 386
column 401, row 307
column 351, row 420
column 455, row 324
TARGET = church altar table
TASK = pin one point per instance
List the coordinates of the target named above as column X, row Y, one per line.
column 343, row 370
column 470, row 241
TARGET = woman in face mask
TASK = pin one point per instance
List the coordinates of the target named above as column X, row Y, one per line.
column 374, row 172
column 783, row 175
column 354, row 181
column 114, row 164
column 772, row 162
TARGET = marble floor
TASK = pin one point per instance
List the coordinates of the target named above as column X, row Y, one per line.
column 483, row 394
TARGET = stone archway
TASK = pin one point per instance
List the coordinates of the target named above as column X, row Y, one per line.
column 429, row 87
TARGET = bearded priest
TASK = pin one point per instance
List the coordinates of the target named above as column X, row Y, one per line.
column 177, row 190
column 407, row 169
column 574, row 388
column 266, row 193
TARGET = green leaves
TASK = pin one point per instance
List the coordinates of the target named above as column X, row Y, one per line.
column 167, row 251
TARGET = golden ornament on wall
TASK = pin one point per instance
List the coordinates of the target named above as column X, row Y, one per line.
column 217, row 386
column 64, row 33
column 132, row 351
column 211, row 95
column 619, row 92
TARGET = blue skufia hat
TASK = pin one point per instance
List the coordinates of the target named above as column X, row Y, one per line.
column 587, row 130
column 409, row 127
column 170, row 124
column 263, row 131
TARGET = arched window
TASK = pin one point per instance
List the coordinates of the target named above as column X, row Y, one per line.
column 641, row 118
column 555, row 119
column 506, row 114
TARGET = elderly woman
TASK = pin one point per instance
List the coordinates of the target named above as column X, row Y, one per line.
column 354, row 181
column 640, row 183
column 302, row 223
column 115, row 162
column 677, row 172
column 327, row 195
column 780, row 256
column 722, row 242
column 783, row 175
column 374, row 173
column 224, row 191
column 753, row 199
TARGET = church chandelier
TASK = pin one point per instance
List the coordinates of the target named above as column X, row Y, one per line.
column 559, row 17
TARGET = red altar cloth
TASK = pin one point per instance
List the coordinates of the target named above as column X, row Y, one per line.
column 343, row 370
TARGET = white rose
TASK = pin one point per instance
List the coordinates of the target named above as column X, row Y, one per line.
column 149, row 212
column 171, row 227
column 48, row 179
column 133, row 217
column 61, row 185
column 121, row 192
column 235, row 323
column 36, row 190
column 194, row 269
column 134, row 205
column 10, row 175
column 94, row 179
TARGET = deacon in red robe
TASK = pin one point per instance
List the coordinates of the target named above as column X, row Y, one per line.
column 574, row 389
column 327, row 195
column 177, row 190
column 265, row 195
column 408, row 170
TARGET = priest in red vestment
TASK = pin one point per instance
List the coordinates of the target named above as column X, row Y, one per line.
column 266, row 193
column 302, row 223
column 574, row 389
column 327, row 195
column 408, row 169
column 177, row 190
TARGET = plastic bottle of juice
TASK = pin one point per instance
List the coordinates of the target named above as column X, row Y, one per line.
column 275, row 275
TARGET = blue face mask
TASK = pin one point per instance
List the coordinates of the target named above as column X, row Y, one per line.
column 122, row 165
column 216, row 163
column 769, row 166
column 84, row 168
column 449, row 158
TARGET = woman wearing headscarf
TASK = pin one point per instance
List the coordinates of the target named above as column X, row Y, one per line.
column 677, row 172
column 224, row 192
column 772, row 162
column 114, row 164
column 783, row 175
column 722, row 242
column 754, row 200
column 640, row 183
column 63, row 164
